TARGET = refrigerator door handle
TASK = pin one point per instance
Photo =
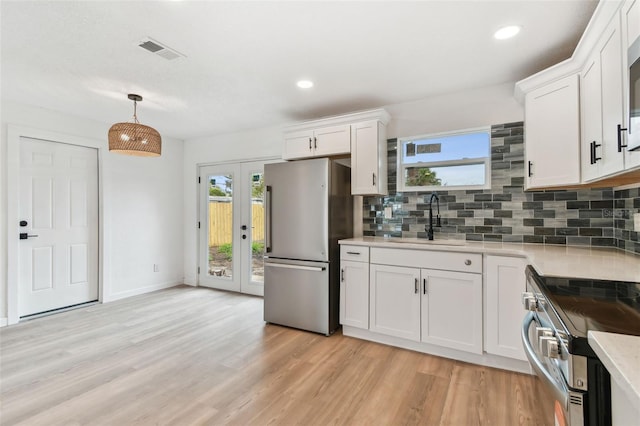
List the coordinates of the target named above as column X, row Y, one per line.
column 304, row 268
column 267, row 212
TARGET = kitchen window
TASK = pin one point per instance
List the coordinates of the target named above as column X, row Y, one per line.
column 453, row 160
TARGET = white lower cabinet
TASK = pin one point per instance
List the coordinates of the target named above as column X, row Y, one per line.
column 504, row 283
column 395, row 301
column 354, row 293
column 452, row 309
column 443, row 308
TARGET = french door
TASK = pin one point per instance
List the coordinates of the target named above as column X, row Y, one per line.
column 232, row 227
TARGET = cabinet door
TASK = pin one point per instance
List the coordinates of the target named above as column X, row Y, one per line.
column 368, row 159
column 354, row 294
column 395, row 301
column 452, row 309
column 552, row 126
column 505, row 282
column 630, row 32
column 591, row 114
column 298, row 145
column 332, row 141
column 610, row 55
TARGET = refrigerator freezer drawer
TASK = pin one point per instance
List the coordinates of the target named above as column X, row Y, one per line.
column 296, row 294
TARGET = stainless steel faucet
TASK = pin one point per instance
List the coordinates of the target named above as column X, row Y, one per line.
column 430, row 230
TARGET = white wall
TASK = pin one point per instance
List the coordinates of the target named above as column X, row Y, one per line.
column 142, row 215
column 463, row 110
column 242, row 146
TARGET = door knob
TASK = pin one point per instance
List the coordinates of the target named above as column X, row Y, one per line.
column 24, row 236
column 244, row 237
column 243, row 227
column 23, row 223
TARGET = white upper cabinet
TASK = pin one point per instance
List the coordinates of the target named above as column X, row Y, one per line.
column 576, row 112
column 322, row 142
column 368, row 158
column 552, row 134
column 360, row 134
column 601, row 101
column 630, row 29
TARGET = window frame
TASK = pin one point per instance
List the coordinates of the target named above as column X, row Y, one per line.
column 402, row 166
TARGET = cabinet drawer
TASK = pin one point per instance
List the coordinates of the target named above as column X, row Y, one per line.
column 354, row 253
column 449, row 261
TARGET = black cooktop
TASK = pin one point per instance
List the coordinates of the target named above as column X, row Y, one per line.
column 596, row 305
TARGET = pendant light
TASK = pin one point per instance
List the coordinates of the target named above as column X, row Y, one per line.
column 135, row 138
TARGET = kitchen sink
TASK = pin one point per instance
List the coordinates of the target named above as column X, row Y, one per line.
column 428, row 242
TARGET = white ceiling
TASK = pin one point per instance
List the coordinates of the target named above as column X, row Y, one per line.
column 243, row 58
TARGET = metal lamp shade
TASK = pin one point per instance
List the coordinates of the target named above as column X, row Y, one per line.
column 135, row 139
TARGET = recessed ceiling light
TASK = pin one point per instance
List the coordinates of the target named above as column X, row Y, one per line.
column 305, row 84
column 506, row 32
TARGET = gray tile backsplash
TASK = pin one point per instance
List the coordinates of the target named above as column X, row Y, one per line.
column 589, row 217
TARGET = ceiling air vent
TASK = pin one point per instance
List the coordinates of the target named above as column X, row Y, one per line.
column 159, row 49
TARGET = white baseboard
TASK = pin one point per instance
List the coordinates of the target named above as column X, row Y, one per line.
column 143, row 290
column 4, row 322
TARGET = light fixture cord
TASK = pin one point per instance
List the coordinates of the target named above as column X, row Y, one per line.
column 135, row 115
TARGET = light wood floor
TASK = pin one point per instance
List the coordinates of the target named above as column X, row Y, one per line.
column 187, row 356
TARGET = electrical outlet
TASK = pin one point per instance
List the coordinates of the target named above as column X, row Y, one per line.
column 156, row 267
column 636, row 222
column 388, row 213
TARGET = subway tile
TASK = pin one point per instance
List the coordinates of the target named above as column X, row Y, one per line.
column 544, row 231
column 566, row 196
column 602, row 204
column 503, row 230
column 492, row 221
column 543, row 196
column 492, row 237
column 502, row 213
column 533, row 239
column 474, row 237
column 502, row 197
column 579, row 223
column 566, row 231
column 544, row 213
column 533, row 222
column 555, row 240
column 577, row 204
column 465, row 213
column 532, row 205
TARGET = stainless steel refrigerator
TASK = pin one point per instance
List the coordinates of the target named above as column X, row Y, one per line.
column 308, row 209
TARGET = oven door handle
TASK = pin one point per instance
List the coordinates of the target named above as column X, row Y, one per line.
column 560, row 390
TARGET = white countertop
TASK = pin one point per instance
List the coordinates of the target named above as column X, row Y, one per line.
column 620, row 354
column 548, row 260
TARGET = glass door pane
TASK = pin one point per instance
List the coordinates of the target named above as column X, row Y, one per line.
column 220, row 229
column 257, row 227
column 219, row 217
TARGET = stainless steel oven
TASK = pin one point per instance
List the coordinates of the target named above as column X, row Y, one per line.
column 562, row 310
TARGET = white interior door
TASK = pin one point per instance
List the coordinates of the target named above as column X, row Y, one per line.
column 232, row 227
column 58, row 248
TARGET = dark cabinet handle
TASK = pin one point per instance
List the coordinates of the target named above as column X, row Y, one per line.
column 374, row 179
column 24, row 236
column 310, row 144
column 415, row 285
column 424, row 286
column 341, row 275
column 530, row 165
column 591, row 152
column 595, row 156
column 315, row 143
column 354, row 252
column 620, row 130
